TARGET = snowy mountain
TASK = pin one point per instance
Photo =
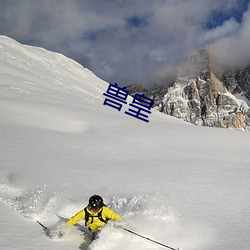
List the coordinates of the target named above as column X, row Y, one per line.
column 237, row 81
column 203, row 96
column 183, row 185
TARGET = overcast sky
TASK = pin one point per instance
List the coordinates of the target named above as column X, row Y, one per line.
column 131, row 41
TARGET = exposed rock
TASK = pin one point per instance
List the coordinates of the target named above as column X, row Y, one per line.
column 203, row 98
column 135, row 88
column 197, row 96
column 237, row 81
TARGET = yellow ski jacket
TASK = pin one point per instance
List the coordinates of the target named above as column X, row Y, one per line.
column 94, row 223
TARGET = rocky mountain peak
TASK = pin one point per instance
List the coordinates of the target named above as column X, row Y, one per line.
column 199, row 97
column 196, row 64
column 202, row 97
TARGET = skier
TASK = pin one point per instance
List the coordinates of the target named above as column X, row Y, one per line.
column 95, row 214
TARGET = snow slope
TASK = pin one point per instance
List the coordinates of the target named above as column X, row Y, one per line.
column 176, row 183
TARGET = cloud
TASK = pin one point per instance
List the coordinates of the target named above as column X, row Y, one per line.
column 124, row 41
column 232, row 50
column 228, row 28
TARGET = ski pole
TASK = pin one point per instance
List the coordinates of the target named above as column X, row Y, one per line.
column 146, row 238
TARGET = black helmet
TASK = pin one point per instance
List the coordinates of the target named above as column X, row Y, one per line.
column 96, row 202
